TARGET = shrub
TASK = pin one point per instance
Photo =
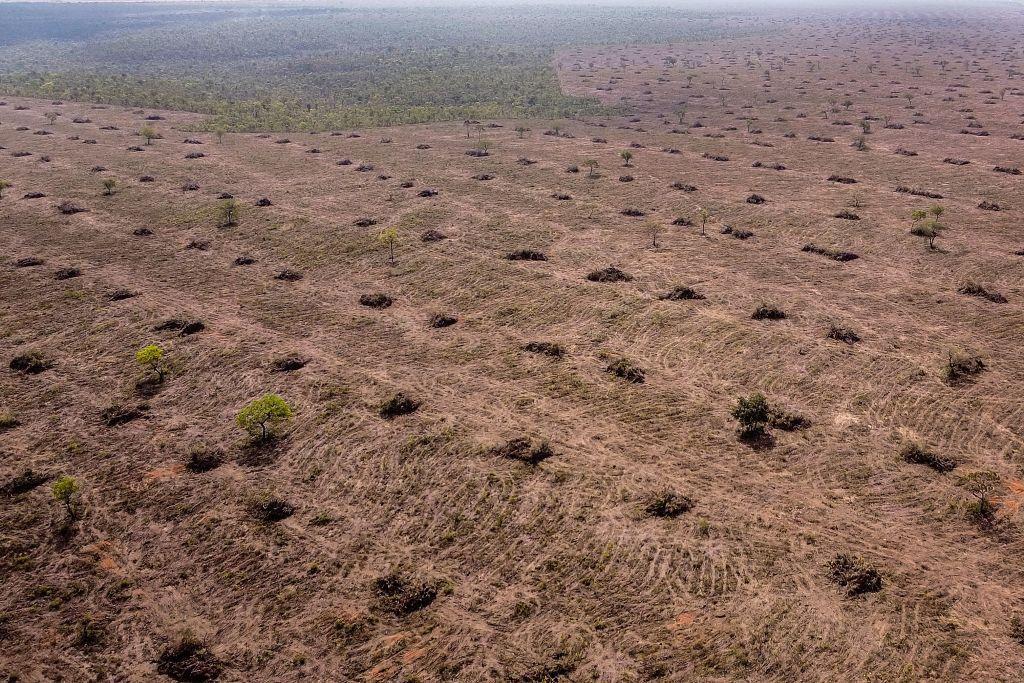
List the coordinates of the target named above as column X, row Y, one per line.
column 753, row 414
column 64, row 491
column 971, row 288
column 854, row 575
column 261, row 415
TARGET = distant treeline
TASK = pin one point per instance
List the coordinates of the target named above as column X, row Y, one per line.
column 262, row 68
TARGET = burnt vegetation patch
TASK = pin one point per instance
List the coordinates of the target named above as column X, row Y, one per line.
column 524, row 450
column 827, row 252
column 545, row 348
column 626, row 369
column 609, row 274
column 189, row 660
column 917, row 192
column 401, row 594
column 118, row 414
column 846, row 215
column 270, row 509
column 682, row 293
column 916, row 454
column 843, row 334
column 22, row 482
column 667, row 504
column 442, row 320
column 398, row 405
column 377, row 300
column 853, row 574
column 31, row 363
column 971, row 288
column 768, row 312
column 961, row 367
column 526, row 255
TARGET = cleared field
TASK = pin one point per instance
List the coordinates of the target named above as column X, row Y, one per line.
column 571, row 567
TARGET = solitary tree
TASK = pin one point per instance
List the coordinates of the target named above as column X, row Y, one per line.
column 591, row 165
column 388, row 237
column 521, row 130
column 51, row 116
column 64, row 490
column 753, row 414
column 704, row 215
column 654, row 229
column 228, row 213
column 108, row 186
column 4, row 184
column 148, row 132
column 262, row 414
column 152, row 357
column 219, row 132
column 627, row 156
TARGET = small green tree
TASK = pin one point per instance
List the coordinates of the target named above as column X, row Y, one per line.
column 51, row 116
column 219, row 131
column 152, row 357
column 108, row 186
column 64, row 491
column 260, row 415
column 521, row 130
column 388, row 237
column 4, row 184
column 704, row 215
column 627, row 156
column 149, row 133
column 752, row 413
column 227, row 213
column 918, row 215
column 591, row 165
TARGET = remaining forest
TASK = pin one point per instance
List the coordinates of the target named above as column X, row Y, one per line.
column 273, row 68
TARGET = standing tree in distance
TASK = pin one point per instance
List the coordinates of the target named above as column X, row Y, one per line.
column 388, row 237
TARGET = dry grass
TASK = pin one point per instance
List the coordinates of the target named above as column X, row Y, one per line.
column 543, row 571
